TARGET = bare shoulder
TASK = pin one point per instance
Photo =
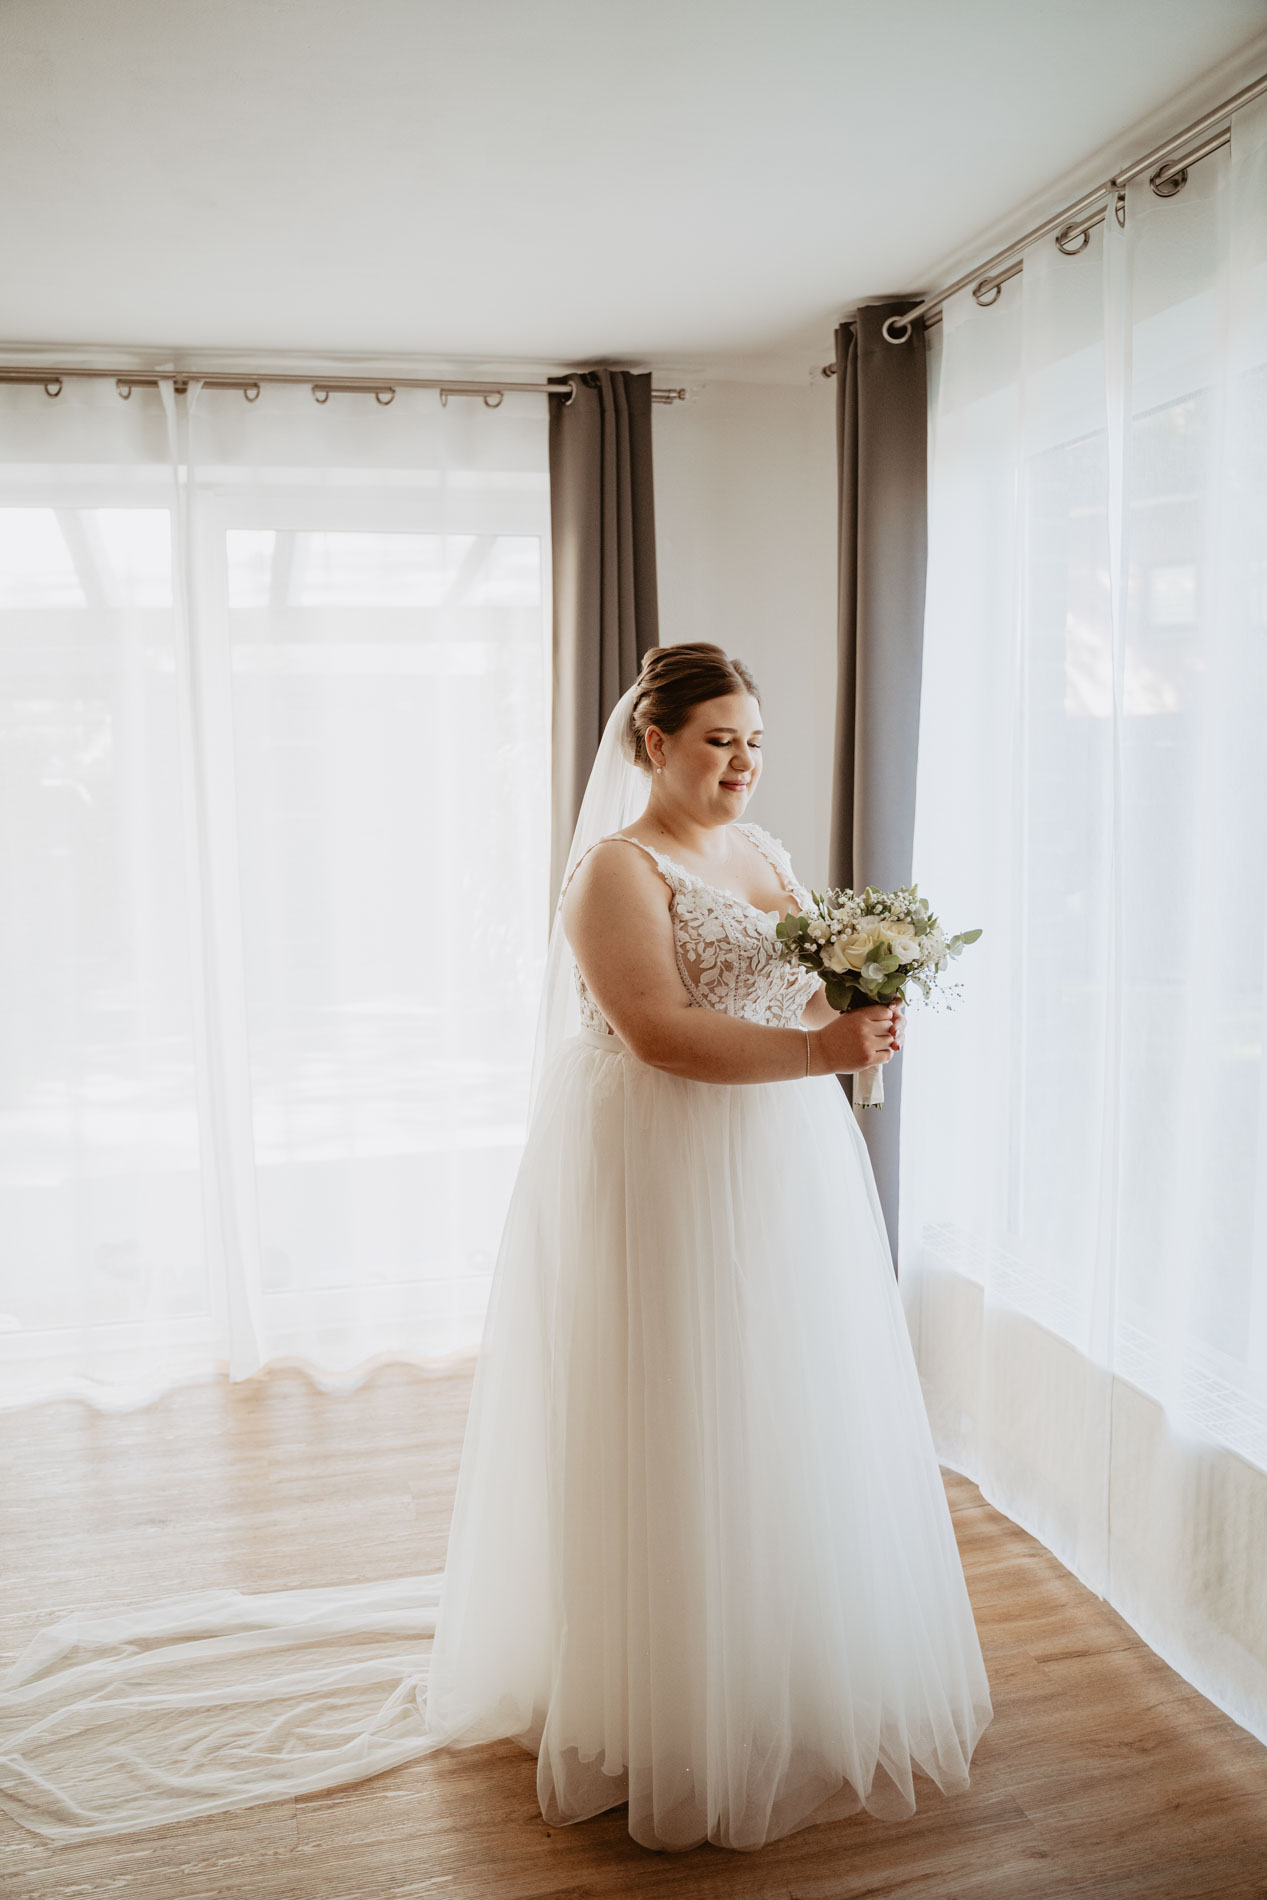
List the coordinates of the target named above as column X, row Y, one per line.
column 615, row 875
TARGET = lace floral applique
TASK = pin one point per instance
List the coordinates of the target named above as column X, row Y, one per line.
column 726, row 948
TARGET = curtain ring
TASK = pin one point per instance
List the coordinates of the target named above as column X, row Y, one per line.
column 251, row 391
column 495, row 400
column 1071, row 240
column 1167, row 183
column 384, row 396
column 53, row 387
column 987, row 293
column 124, row 389
column 1119, row 209
column 574, row 384
column 320, row 393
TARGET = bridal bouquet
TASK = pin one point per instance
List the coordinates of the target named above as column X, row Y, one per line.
column 868, row 947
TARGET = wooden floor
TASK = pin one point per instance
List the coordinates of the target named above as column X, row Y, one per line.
column 1103, row 1774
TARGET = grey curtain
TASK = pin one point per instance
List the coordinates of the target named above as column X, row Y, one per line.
column 882, row 477
column 602, row 512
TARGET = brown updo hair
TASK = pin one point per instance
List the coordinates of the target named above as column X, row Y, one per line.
column 671, row 681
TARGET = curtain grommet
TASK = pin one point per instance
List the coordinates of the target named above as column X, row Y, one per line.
column 1167, row 183
column 1073, row 239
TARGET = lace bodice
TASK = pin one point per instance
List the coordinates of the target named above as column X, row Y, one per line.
column 727, row 952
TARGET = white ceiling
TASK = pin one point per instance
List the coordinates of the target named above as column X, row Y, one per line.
column 678, row 182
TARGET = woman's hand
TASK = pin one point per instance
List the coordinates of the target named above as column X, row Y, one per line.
column 857, row 1038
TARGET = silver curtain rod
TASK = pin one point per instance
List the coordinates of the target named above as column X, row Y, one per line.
column 1073, row 226
column 383, row 388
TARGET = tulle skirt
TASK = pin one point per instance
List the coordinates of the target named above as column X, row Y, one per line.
column 701, row 1559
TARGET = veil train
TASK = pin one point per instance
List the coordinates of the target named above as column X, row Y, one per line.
column 126, row 1717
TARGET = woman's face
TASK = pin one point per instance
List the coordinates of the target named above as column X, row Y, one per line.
column 709, row 767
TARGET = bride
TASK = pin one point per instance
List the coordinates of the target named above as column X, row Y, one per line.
column 701, row 1560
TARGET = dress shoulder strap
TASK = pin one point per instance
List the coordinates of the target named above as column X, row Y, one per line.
column 663, row 865
column 772, row 849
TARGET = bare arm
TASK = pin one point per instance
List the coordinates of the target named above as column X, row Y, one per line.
column 616, row 916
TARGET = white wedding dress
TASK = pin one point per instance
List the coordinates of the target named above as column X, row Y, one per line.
column 701, row 1560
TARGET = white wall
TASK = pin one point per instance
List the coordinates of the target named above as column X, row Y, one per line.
column 745, row 492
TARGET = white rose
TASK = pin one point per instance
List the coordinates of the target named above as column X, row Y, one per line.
column 834, row 958
column 859, row 947
column 905, row 944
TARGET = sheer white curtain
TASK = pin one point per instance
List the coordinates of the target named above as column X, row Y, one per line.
column 273, row 875
column 1084, row 1159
